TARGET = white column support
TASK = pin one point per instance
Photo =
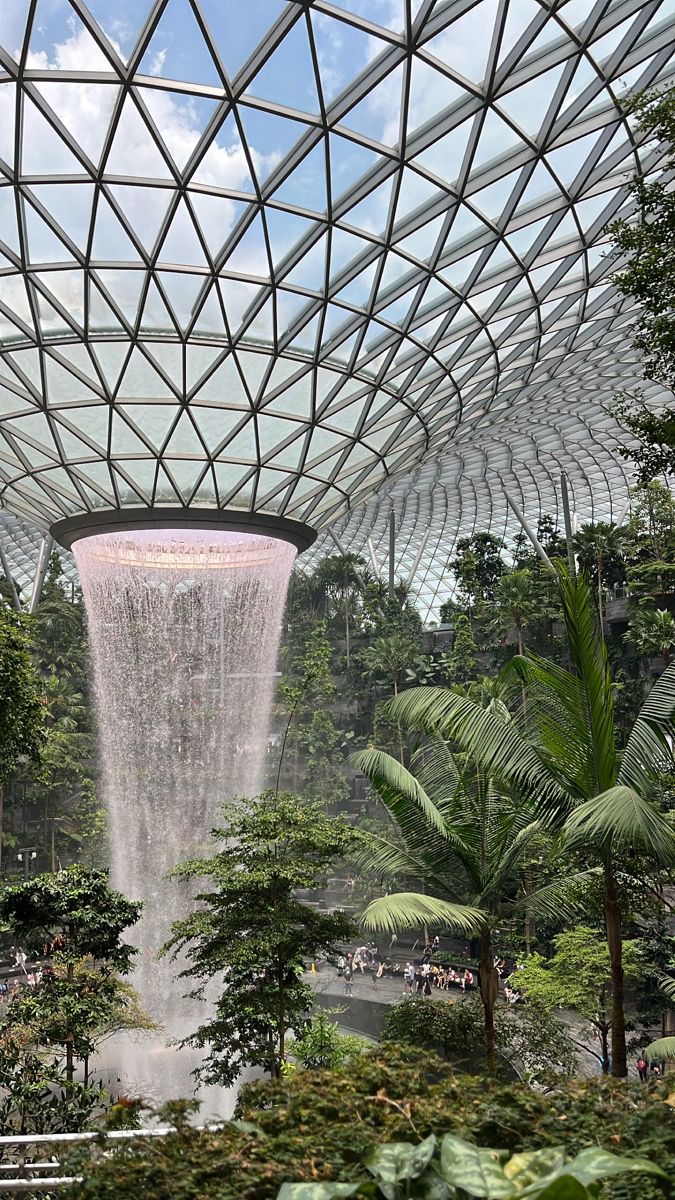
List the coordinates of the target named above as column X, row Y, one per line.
column 41, row 571
column 418, row 557
column 520, row 516
column 373, row 558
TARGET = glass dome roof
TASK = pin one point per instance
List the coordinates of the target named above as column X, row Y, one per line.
column 287, row 257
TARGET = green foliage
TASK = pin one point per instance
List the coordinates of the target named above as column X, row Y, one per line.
column 477, row 566
column 462, row 661
column 318, row 1126
column 79, row 920
column 21, row 710
column 453, row 1169
column 653, row 633
column 322, row 1045
column 37, row 1097
column 529, row 1041
column 521, row 599
column 649, row 272
column 252, row 932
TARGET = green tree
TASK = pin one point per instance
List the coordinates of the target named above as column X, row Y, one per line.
column 462, row 661
column 478, row 565
column 387, row 657
column 21, row 709
column 579, row 977
column 648, row 273
column 251, row 931
column 567, row 761
column 599, row 547
column 653, row 633
column 463, row 839
column 520, row 600
column 79, row 920
column 323, row 1045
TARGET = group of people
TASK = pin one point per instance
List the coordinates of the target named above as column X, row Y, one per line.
column 423, row 977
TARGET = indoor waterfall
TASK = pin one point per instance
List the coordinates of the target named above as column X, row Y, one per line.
column 184, row 629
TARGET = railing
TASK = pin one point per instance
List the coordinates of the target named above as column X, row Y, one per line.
column 40, row 1176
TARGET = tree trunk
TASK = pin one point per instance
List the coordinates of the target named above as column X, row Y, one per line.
column 70, row 1037
column 347, row 633
column 489, row 990
column 615, row 945
column 519, row 632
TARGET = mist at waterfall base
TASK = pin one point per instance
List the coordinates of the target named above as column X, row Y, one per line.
column 184, row 631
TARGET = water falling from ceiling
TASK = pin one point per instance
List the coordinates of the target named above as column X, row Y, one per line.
column 184, row 628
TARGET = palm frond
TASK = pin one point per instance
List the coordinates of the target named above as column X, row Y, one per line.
column 436, row 769
column 624, row 818
column 650, row 743
column 509, row 850
column 661, row 1050
column 378, row 857
column 588, row 654
column 398, row 788
column 494, row 743
column 411, row 910
column 666, row 986
column 553, row 901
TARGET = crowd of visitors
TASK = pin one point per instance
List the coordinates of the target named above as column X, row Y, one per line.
column 419, row 976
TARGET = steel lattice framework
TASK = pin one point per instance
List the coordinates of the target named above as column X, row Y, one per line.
column 316, row 259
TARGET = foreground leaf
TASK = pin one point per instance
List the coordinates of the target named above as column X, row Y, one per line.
column 317, row 1191
column 478, row 1171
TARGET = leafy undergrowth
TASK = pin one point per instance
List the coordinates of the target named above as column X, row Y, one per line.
column 319, row 1125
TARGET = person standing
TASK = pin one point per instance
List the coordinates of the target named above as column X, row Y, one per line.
column 409, row 977
column 348, row 980
column 642, row 1068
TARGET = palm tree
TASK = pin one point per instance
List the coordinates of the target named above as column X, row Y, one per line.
column 565, row 758
column 653, row 633
column 599, row 547
column 463, row 839
column 519, row 600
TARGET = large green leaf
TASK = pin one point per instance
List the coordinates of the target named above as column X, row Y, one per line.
column 494, row 743
column 662, row 1050
column 650, row 743
column 478, row 1171
column 317, row 1191
column 624, row 819
column 398, row 788
column 594, row 1163
column 397, row 1161
column 667, row 987
column 411, row 910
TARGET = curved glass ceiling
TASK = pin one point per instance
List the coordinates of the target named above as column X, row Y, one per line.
column 281, row 255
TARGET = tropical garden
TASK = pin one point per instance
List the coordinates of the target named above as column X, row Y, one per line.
column 501, row 777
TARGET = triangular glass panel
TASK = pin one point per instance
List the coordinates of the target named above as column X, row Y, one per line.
column 43, row 244
column 310, row 270
column 144, row 208
column 296, row 401
column 13, row 26
column 287, row 77
column 165, row 491
column 345, row 248
column 74, row 449
column 198, row 360
column 177, row 49
column 67, row 101
column 378, row 116
column 445, row 157
column 99, row 476
column 496, row 137
column 540, row 185
column 69, row 205
column 272, row 431
column 288, row 306
column 234, row 38
column 111, row 358
column 167, row 356
column 124, row 440
column 260, row 325
column 242, row 445
column 209, row 319
column 422, row 242
column 124, row 288
column 215, row 424
column 430, row 93
column 372, row 214
column 94, row 423
column 349, row 161
column 224, row 386
column 567, row 161
column 141, row 380
column 269, row 483
column 134, row 151
column 51, row 320
column 186, row 474
column 305, row 338
column 63, row 385
column 7, row 111
column 180, row 119
column 269, row 137
column 286, row 231
column 121, row 23
column 50, row 53
column 224, row 164
column 249, row 256
column 102, row 317
column 461, row 47
column 342, row 50
column 254, row 368
column 206, row 492
column 528, row 105
column 181, row 244
column 153, row 420
column 520, row 18
column 43, row 151
column 8, row 227
column 305, row 187
column 414, row 193
column 217, row 217
column 492, row 200
column 184, row 439
column 111, row 241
